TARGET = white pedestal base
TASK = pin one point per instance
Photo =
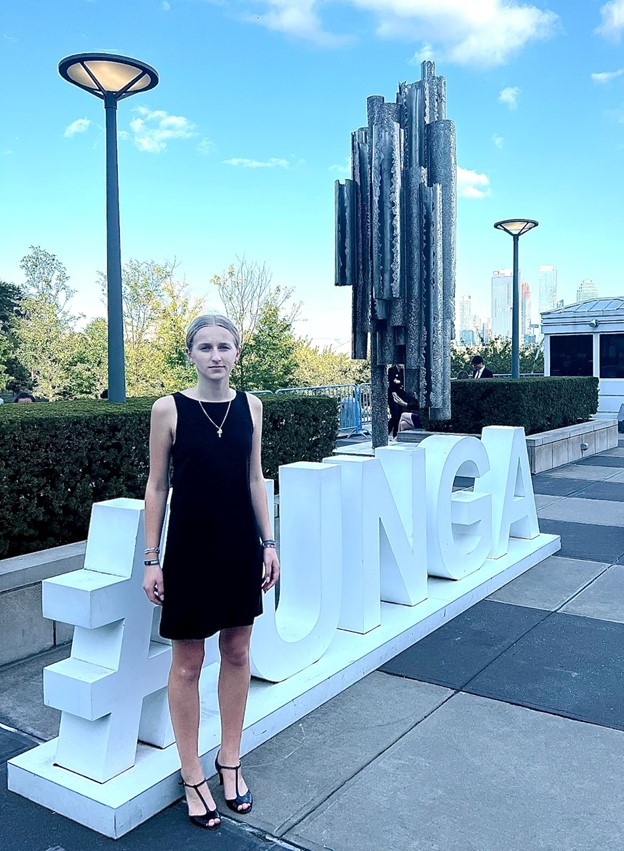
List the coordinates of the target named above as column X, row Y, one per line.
column 116, row 807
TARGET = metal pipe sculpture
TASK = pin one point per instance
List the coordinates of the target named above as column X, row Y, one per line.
column 395, row 244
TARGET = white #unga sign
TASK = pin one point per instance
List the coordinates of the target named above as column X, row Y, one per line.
column 359, row 537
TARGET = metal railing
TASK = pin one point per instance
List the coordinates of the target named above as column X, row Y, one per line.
column 355, row 408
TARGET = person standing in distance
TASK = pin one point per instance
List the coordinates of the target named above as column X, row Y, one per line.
column 396, row 380
column 219, row 555
column 479, row 369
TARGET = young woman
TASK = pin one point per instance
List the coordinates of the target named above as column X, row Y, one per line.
column 219, row 555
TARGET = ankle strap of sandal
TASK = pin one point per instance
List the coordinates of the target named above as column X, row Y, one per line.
column 193, row 785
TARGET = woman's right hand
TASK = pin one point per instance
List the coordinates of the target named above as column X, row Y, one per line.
column 153, row 584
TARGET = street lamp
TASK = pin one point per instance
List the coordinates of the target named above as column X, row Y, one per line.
column 515, row 228
column 111, row 78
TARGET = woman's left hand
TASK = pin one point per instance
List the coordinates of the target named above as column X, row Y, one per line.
column 271, row 568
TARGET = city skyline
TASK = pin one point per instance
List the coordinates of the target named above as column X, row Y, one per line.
column 501, row 303
column 472, row 327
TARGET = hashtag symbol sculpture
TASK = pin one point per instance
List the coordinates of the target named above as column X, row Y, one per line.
column 112, row 690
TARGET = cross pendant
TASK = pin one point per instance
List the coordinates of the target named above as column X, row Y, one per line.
column 219, row 431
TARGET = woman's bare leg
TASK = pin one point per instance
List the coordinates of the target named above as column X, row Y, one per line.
column 234, row 677
column 186, row 665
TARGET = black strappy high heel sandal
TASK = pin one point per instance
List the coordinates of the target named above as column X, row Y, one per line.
column 210, row 815
column 239, row 800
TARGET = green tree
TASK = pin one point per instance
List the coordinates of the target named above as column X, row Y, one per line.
column 44, row 328
column 245, row 289
column 318, row 366
column 157, row 310
column 270, row 360
column 177, row 309
column 12, row 372
column 46, row 278
column 88, row 363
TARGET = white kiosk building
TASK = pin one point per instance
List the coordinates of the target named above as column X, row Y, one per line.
column 587, row 338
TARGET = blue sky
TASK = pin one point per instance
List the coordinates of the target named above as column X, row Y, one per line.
column 237, row 149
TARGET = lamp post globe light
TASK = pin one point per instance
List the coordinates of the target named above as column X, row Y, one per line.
column 515, row 228
column 111, row 78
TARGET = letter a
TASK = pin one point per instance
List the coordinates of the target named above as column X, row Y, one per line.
column 509, row 482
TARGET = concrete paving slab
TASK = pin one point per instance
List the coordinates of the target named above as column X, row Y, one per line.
column 543, row 500
column 557, row 486
column 609, row 490
column 601, row 461
column 617, row 452
column 12, row 744
column 21, row 695
column 604, row 598
column 592, row 511
column 300, row 767
column 478, row 775
column 453, row 654
column 550, row 584
column 24, row 826
column 586, row 540
column 568, row 665
column 590, row 474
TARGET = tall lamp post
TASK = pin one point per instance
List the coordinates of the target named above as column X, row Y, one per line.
column 515, row 228
column 111, row 78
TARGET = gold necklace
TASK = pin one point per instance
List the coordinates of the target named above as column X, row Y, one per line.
column 219, row 428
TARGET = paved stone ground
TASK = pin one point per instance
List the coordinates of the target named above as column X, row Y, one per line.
column 502, row 730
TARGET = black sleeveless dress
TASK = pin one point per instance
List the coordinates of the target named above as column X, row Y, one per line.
column 212, row 561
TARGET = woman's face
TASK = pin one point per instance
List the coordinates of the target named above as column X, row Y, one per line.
column 213, row 352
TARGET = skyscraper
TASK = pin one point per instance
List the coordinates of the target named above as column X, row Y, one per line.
column 465, row 321
column 502, row 283
column 547, row 287
column 587, row 289
column 525, row 311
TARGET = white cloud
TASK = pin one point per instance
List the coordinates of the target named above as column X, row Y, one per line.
column 616, row 114
column 472, row 184
column 154, row 128
column 165, row 6
column 298, row 18
column 612, row 24
column 483, row 32
column 425, row 54
column 607, row 76
column 80, row 125
column 343, row 170
column 510, row 96
column 273, row 162
column 205, row 146
column 498, row 140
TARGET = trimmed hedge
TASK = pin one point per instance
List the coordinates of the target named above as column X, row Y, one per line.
column 57, row 459
column 538, row 404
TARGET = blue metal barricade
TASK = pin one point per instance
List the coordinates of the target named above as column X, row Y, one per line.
column 364, row 395
column 350, row 398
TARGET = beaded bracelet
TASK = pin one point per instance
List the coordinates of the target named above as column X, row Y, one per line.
column 149, row 550
column 268, row 543
column 151, row 562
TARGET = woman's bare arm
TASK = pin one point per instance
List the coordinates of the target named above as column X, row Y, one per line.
column 162, row 430
column 258, row 495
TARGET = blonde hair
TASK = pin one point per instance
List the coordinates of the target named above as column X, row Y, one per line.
column 210, row 320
